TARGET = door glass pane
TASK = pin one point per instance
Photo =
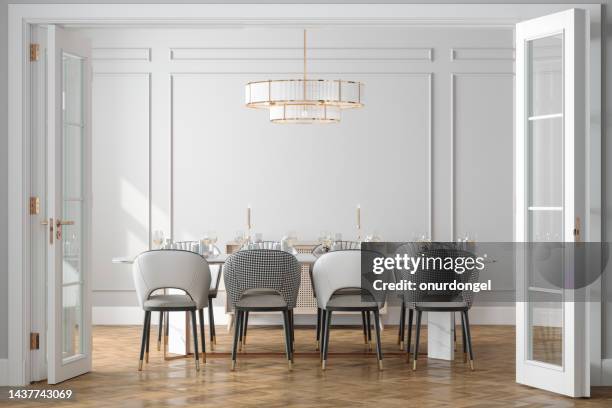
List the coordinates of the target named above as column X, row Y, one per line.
column 545, row 56
column 546, row 162
column 71, row 237
column 545, row 204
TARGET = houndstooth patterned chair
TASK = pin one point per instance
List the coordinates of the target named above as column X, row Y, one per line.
column 262, row 280
column 438, row 301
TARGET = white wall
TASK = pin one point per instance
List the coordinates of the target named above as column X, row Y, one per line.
column 176, row 150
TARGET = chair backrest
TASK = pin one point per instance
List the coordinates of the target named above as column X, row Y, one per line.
column 335, row 246
column 339, row 270
column 165, row 269
column 262, row 269
column 432, row 272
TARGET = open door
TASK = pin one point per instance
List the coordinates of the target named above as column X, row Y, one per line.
column 68, row 205
column 551, row 132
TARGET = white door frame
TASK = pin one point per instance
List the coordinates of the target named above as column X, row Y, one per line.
column 22, row 16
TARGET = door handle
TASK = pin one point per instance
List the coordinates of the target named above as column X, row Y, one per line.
column 58, row 227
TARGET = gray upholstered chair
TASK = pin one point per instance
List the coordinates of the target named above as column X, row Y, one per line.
column 439, row 301
column 262, row 280
column 365, row 316
column 339, row 271
column 212, row 294
column 172, row 269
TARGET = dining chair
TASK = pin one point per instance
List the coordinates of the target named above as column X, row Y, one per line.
column 172, row 269
column 452, row 301
column 212, row 294
column 365, row 317
column 338, row 271
column 262, row 280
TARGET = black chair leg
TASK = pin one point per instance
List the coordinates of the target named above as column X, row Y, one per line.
column 402, row 329
column 318, row 328
column 364, row 326
column 160, row 329
column 237, row 326
column 166, row 328
column 328, row 316
column 454, row 332
column 144, row 339
column 416, row 340
column 378, row 344
column 323, row 326
column 194, row 330
column 211, row 322
column 287, row 327
column 203, row 335
column 409, row 339
column 464, row 338
column 369, row 330
column 292, row 330
column 243, row 333
column 466, row 323
column 148, row 339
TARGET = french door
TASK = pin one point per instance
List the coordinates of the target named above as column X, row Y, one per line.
column 551, row 131
column 68, row 204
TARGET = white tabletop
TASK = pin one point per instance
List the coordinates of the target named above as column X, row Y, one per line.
column 219, row 259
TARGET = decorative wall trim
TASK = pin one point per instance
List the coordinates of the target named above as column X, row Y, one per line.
column 148, row 76
column 481, row 54
column 454, row 75
column 427, row 75
column 121, row 54
column 296, row 54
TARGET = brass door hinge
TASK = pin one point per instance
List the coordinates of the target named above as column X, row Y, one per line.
column 34, row 206
column 34, row 52
column 34, row 341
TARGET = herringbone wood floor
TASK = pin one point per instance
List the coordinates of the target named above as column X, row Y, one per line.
column 351, row 380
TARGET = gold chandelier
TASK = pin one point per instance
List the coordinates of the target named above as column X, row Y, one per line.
column 304, row 100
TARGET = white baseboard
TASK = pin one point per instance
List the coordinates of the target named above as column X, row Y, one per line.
column 133, row 315
column 4, row 371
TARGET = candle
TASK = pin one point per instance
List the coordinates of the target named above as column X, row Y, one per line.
column 249, row 216
column 358, row 216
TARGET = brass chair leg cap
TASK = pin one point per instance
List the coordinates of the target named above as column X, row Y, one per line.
column 472, row 365
column 402, row 346
column 290, row 363
column 233, row 365
column 324, row 365
column 414, row 365
column 380, row 365
column 197, row 365
column 140, row 365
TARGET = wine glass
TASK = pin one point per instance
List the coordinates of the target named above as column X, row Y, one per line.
column 291, row 238
column 158, row 239
column 212, row 236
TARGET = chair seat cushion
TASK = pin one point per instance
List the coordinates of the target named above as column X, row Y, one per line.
column 169, row 302
column 441, row 306
column 341, row 301
column 261, row 299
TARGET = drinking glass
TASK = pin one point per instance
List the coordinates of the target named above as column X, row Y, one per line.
column 158, row 239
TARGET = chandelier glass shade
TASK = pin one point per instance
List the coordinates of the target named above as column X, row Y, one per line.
column 304, row 100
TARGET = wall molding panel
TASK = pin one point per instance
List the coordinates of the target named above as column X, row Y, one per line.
column 121, row 54
column 482, row 54
column 354, row 54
